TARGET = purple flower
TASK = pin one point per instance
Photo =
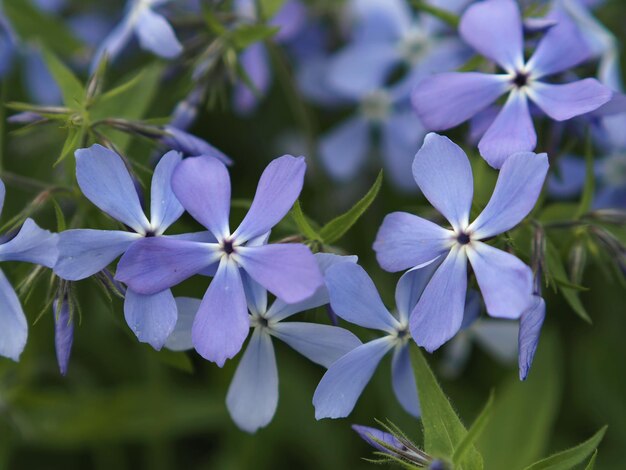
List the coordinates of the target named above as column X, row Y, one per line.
column 531, row 322
column 105, row 181
column 354, row 298
column 63, row 334
column 397, row 447
column 152, row 30
column 190, row 145
column 443, row 173
column 253, row 394
column 494, row 28
column 289, row 271
column 31, row 245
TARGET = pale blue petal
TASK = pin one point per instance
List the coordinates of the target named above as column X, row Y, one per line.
column 380, row 21
column 403, row 380
column 410, row 287
column 277, row 191
column 511, row 132
column 255, row 63
column 156, row 35
column 104, row 179
column 322, row 344
column 529, row 331
column 63, row 334
column 151, row 317
column 568, row 178
column 256, row 294
column 505, row 282
column 444, row 174
column 401, row 136
column 565, row 101
column 13, row 326
column 253, row 394
column 354, row 298
column 222, row 322
column 164, row 207
column 519, row 185
column 342, row 384
column 32, row 244
column 180, row 338
column 439, row 312
column 405, row 240
column 85, row 252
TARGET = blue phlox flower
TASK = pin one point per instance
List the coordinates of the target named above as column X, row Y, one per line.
column 31, row 244
column 354, row 298
column 494, row 28
column 287, row 270
column 444, row 175
column 105, row 181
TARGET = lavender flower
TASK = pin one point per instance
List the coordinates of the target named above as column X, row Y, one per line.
column 31, row 245
column 354, row 298
column 63, row 333
column 289, row 271
column 443, row 173
column 152, row 30
column 105, row 181
column 494, row 28
column 531, row 322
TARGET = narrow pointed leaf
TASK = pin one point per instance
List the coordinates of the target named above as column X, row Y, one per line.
column 302, row 223
column 569, row 458
column 336, row 228
column 72, row 89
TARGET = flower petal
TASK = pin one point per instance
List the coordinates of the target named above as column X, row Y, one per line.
column 531, row 322
column 180, row 338
column 354, row 298
column 342, row 384
column 519, row 184
column 512, row 131
column 164, row 207
column 104, row 180
column 84, row 252
column 369, row 434
column 562, row 102
column 343, row 149
column 505, row 282
column 377, row 21
column 405, row 240
column 151, row 317
column 403, row 380
column 63, row 334
column 154, row 264
column 494, row 28
column 562, row 47
column 362, row 67
column 256, row 294
column 322, row 344
column 253, row 394
column 410, row 287
column 287, row 270
column 13, row 326
column 192, row 146
column 222, row 322
column 439, row 312
column 2, row 195
column 446, row 100
column 32, row 244
column 156, row 35
column 255, row 63
column 444, row 174
column 278, row 189
column 114, row 43
column 202, row 185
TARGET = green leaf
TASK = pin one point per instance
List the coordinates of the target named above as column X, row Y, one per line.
column 247, row 34
column 71, row 87
column 177, row 360
column 302, row 223
column 557, row 272
column 569, row 458
column 58, row 212
column 270, row 7
column 31, row 24
column 336, row 228
column 443, row 430
column 473, row 433
column 72, row 143
column 590, row 186
column 592, row 462
column 524, row 413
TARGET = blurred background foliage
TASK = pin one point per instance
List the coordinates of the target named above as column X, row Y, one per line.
column 124, row 405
